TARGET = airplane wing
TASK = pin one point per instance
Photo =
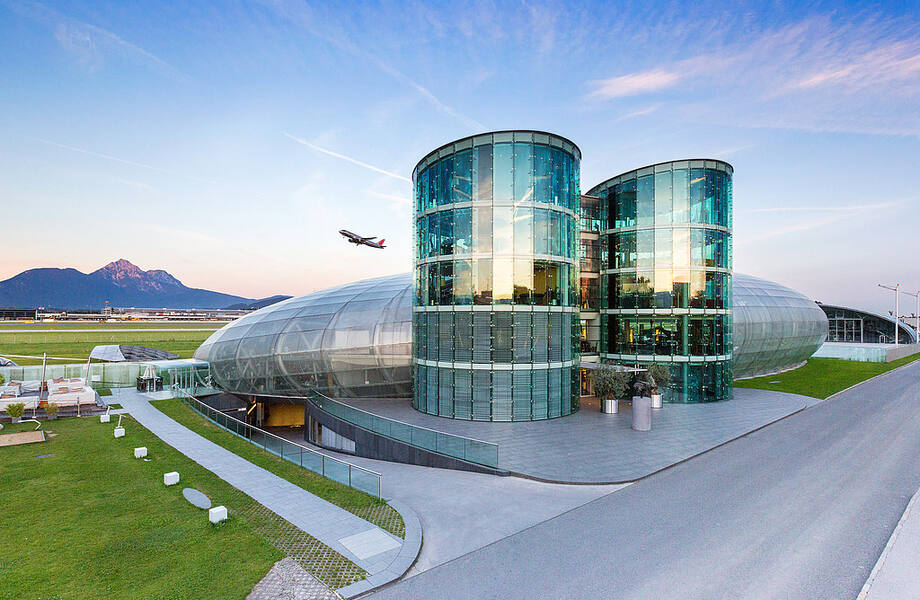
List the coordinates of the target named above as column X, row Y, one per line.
column 367, row 239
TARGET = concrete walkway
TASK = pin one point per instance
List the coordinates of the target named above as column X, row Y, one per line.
column 595, row 448
column 895, row 574
column 363, row 543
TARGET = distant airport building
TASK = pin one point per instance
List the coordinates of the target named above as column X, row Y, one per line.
column 864, row 327
column 18, row 314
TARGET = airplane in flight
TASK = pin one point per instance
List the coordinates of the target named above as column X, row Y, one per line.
column 354, row 238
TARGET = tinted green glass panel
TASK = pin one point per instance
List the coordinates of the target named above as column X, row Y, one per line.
column 463, row 231
column 503, row 174
column 463, row 282
column 523, row 230
column 503, row 227
column 663, row 203
column 462, row 190
column 523, row 176
column 482, row 167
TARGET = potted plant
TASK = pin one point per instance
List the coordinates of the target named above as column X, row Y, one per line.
column 51, row 409
column 15, row 411
column 659, row 376
column 609, row 385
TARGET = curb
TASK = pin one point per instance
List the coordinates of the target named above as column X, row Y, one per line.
column 864, row 593
column 405, row 558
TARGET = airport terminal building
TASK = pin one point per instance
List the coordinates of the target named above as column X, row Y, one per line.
column 521, row 285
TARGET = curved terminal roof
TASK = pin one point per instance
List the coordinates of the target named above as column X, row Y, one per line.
column 775, row 328
column 866, row 327
column 355, row 340
column 348, row 341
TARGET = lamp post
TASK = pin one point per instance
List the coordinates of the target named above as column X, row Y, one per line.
column 896, row 308
column 916, row 314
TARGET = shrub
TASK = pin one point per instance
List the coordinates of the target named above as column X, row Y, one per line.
column 16, row 409
column 609, row 382
column 659, row 376
column 51, row 408
column 2, row 379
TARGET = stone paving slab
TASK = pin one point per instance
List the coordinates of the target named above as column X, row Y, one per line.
column 592, row 447
column 289, row 581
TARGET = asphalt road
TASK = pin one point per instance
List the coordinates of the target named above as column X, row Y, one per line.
column 800, row 509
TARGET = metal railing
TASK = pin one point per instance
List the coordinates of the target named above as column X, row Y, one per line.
column 338, row 470
column 455, row 446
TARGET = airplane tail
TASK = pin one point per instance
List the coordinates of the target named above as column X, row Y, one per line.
column 381, row 242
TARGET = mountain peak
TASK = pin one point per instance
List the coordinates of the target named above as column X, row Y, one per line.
column 120, row 269
column 120, row 283
column 124, row 273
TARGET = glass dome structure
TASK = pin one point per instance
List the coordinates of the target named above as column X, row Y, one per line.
column 775, row 328
column 349, row 341
column 355, row 340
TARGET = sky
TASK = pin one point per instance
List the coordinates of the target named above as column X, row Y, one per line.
column 227, row 143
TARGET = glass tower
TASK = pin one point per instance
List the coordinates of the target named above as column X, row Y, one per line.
column 667, row 276
column 496, row 292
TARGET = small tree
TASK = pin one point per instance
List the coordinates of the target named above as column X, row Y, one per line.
column 609, row 382
column 16, row 409
column 51, row 409
column 659, row 376
column 2, row 379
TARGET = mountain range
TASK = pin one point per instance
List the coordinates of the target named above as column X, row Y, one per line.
column 121, row 283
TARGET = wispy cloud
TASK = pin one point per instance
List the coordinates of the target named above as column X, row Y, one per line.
column 328, row 31
column 123, row 161
column 640, row 112
column 87, row 42
column 857, row 208
column 354, row 161
column 634, row 84
column 405, row 200
column 825, row 73
column 829, row 216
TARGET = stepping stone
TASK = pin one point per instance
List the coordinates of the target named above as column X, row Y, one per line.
column 197, row 498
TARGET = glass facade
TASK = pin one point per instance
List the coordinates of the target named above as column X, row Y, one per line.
column 666, row 281
column 496, row 291
column 775, row 328
column 350, row 341
column 858, row 326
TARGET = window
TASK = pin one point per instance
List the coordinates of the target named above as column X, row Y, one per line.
column 503, row 174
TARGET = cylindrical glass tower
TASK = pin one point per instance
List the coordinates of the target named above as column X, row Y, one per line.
column 495, row 313
column 666, row 278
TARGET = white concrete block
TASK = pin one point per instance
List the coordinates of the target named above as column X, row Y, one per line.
column 105, row 418
column 140, row 452
column 171, row 478
column 217, row 514
column 119, row 432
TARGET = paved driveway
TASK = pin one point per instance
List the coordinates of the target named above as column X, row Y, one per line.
column 800, row 509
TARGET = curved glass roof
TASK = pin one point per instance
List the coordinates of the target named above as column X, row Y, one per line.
column 355, row 340
column 775, row 328
column 349, row 341
column 861, row 326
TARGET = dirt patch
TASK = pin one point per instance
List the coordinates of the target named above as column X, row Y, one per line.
column 25, row 437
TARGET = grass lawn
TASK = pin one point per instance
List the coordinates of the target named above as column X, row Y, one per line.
column 823, row 377
column 365, row 506
column 64, row 325
column 78, row 344
column 92, row 521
